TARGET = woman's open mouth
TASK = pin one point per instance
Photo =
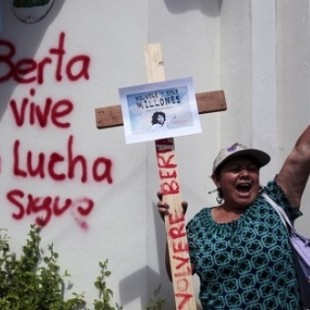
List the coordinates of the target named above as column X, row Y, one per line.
column 244, row 187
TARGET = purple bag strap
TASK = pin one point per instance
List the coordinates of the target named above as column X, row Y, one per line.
column 285, row 220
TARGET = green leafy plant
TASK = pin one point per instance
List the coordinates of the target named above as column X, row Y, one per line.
column 34, row 282
column 105, row 294
column 155, row 303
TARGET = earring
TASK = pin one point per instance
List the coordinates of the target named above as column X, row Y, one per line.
column 219, row 197
column 219, row 200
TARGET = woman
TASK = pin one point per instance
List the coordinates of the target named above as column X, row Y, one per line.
column 158, row 120
column 240, row 249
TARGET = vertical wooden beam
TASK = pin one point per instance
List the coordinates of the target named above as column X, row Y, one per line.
column 170, row 186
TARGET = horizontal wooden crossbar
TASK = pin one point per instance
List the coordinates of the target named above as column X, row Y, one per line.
column 207, row 102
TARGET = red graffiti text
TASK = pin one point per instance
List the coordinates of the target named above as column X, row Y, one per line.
column 60, row 167
column 50, row 112
column 30, row 162
column 45, row 207
column 27, row 70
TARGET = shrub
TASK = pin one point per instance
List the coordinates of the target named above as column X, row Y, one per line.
column 34, row 282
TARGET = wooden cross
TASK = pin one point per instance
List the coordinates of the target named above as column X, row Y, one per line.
column 169, row 184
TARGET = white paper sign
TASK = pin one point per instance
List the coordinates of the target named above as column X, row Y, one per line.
column 159, row 110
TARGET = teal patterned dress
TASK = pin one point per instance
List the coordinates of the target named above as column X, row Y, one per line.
column 246, row 264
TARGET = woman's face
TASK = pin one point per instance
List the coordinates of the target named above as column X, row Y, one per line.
column 160, row 119
column 239, row 181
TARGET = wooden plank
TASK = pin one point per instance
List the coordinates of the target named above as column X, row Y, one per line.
column 170, row 187
column 207, row 102
column 175, row 225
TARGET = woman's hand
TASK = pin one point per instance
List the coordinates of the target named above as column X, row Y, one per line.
column 163, row 207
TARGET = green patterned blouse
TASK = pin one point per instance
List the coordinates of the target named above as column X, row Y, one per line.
column 246, row 264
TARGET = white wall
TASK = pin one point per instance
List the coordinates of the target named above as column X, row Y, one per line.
column 293, row 78
column 246, row 48
column 265, row 75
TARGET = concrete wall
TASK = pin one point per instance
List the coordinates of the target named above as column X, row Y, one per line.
column 257, row 52
column 265, row 74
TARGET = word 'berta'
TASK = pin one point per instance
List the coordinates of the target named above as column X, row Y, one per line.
column 167, row 168
column 28, row 70
column 175, row 224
